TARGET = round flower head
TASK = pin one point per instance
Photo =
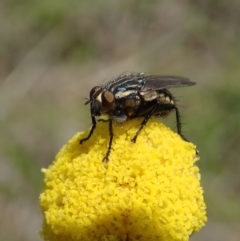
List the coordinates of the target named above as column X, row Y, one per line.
column 149, row 190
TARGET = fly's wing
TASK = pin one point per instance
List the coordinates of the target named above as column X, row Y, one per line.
column 157, row 82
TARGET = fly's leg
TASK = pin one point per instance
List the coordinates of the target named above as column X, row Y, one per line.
column 119, row 117
column 144, row 122
column 105, row 159
column 179, row 124
column 91, row 131
column 158, row 108
column 169, row 107
column 179, row 127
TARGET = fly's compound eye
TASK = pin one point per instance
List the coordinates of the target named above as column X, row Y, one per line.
column 108, row 100
column 93, row 91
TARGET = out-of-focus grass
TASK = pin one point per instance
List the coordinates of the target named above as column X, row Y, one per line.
column 53, row 52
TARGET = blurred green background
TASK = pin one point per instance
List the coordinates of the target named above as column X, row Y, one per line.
column 52, row 52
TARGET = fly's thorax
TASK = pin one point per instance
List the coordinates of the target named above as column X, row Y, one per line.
column 125, row 82
column 130, row 104
column 148, row 94
column 127, row 102
column 124, row 94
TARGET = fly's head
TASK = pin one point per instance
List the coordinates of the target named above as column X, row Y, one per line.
column 101, row 101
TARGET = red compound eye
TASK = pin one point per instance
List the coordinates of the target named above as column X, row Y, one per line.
column 108, row 100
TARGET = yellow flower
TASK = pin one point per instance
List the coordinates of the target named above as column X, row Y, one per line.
column 149, row 190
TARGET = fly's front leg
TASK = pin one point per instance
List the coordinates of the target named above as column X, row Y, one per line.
column 105, row 159
column 91, row 131
column 118, row 116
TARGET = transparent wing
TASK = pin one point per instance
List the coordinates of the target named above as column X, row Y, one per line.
column 156, row 82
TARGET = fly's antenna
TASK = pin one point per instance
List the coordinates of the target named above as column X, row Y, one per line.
column 88, row 101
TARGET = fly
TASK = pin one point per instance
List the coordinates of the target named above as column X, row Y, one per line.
column 135, row 95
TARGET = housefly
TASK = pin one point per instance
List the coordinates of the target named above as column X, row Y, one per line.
column 134, row 95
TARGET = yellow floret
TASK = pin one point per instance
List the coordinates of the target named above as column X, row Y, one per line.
column 149, row 190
